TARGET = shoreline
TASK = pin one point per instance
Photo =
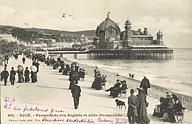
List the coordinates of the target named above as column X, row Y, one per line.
column 155, row 91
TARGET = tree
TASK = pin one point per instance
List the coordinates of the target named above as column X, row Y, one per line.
column 7, row 47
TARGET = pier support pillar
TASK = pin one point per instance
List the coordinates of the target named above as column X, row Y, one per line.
column 75, row 55
column 61, row 55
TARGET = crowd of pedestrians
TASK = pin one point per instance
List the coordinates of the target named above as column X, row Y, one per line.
column 137, row 104
column 73, row 71
column 23, row 74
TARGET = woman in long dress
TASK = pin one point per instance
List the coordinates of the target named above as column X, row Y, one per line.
column 20, row 74
column 142, row 108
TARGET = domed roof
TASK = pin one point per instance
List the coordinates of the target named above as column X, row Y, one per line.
column 107, row 23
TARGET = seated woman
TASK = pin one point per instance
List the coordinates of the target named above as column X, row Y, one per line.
column 169, row 114
column 178, row 107
column 97, row 82
column 123, row 85
column 61, row 69
column 55, row 65
column 66, row 69
column 82, row 73
column 118, row 84
column 162, row 108
column 103, row 80
column 115, row 90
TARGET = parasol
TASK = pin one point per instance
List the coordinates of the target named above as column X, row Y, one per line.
column 20, row 68
column 34, row 68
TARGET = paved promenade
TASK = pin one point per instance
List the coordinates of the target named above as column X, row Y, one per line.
column 29, row 101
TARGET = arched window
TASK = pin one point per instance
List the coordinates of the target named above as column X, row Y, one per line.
column 102, row 35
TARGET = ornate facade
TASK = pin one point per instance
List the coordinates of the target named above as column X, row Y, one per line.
column 109, row 36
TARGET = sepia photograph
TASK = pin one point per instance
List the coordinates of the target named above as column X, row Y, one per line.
column 96, row 61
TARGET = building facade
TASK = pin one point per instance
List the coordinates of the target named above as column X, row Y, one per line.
column 109, row 36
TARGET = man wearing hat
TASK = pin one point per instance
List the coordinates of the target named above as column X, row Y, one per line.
column 12, row 76
column 145, row 84
column 76, row 93
column 132, row 107
column 4, row 76
column 26, row 74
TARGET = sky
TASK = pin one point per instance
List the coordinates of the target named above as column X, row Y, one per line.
column 172, row 17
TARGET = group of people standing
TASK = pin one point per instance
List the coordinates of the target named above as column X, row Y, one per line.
column 137, row 107
column 137, row 104
column 23, row 74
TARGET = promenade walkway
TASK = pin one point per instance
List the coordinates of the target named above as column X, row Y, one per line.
column 28, row 102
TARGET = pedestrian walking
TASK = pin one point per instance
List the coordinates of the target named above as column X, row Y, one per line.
column 36, row 63
column 4, row 76
column 145, row 84
column 33, row 74
column 6, row 59
column 20, row 74
column 12, row 76
column 73, row 77
column 132, row 107
column 33, row 77
column 23, row 60
column 76, row 93
column 26, row 74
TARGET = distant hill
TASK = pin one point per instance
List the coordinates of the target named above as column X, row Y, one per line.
column 27, row 34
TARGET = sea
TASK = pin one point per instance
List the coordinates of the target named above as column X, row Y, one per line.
column 174, row 74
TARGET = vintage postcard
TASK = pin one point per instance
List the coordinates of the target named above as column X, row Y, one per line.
column 95, row 61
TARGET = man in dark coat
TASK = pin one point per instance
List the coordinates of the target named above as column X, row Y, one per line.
column 12, row 76
column 132, row 107
column 73, row 77
column 37, row 65
column 4, row 76
column 145, row 84
column 23, row 60
column 33, row 77
column 76, row 93
column 26, row 74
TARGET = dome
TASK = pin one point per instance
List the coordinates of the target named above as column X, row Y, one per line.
column 107, row 23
